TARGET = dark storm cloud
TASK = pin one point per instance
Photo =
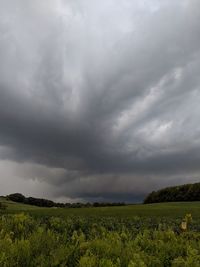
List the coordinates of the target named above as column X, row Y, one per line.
column 103, row 96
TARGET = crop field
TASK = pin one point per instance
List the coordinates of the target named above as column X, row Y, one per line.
column 152, row 235
column 170, row 210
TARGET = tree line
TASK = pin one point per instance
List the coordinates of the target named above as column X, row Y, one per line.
column 41, row 202
column 186, row 192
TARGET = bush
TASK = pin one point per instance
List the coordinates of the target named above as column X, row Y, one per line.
column 90, row 242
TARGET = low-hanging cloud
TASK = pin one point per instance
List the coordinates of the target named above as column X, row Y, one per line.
column 99, row 100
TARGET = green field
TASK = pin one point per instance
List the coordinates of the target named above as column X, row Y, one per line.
column 172, row 210
column 128, row 236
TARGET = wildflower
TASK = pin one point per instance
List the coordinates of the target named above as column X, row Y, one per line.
column 188, row 218
column 184, row 226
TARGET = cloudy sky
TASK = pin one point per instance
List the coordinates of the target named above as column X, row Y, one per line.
column 99, row 100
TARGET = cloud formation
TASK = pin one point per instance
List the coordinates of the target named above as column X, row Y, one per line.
column 99, row 100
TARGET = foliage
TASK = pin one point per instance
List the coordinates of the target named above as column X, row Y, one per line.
column 40, row 202
column 17, row 197
column 102, row 242
column 2, row 206
column 187, row 192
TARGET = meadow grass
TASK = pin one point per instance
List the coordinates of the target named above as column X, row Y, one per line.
column 126, row 236
column 172, row 210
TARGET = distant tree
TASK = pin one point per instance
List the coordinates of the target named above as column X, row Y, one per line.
column 16, row 197
column 39, row 202
column 186, row 192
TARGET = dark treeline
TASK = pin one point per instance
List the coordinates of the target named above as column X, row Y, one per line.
column 40, row 202
column 186, row 192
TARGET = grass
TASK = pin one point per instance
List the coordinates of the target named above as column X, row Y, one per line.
column 14, row 206
column 170, row 210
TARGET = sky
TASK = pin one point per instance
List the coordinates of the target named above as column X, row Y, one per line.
column 99, row 100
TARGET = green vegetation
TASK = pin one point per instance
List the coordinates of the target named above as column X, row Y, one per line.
column 131, row 236
column 3, row 206
column 88, row 242
column 187, row 192
column 41, row 202
column 169, row 210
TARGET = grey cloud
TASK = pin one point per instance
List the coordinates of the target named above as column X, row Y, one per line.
column 101, row 90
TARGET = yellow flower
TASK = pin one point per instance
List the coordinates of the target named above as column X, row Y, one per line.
column 184, row 226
